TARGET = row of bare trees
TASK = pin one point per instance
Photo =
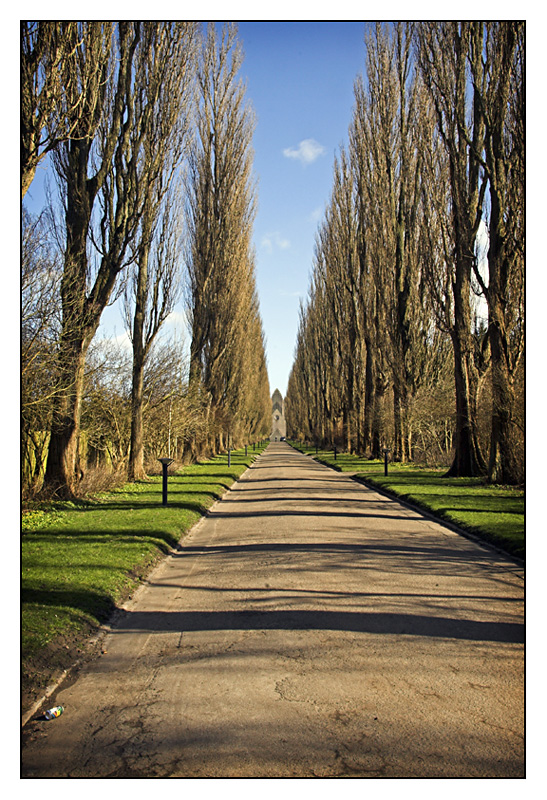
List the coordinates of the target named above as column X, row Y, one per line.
column 123, row 111
column 227, row 362
column 402, row 290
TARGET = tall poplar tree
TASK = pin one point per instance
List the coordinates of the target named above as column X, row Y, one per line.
column 171, row 49
column 221, row 290
column 102, row 173
column 497, row 67
column 444, row 50
column 101, row 154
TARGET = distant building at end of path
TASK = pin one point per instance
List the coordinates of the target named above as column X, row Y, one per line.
column 279, row 426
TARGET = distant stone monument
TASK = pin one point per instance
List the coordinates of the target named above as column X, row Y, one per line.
column 279, row 426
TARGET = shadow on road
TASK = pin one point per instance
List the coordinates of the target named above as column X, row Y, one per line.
column 355, row 621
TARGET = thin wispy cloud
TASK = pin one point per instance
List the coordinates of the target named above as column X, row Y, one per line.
column 274, row 241
column 316, row 214
column 307, row 151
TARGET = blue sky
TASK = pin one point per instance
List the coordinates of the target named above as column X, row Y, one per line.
column 299, row 78
column 300, row 81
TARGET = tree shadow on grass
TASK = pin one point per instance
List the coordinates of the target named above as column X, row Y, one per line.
column 164, row 540
column 154, row 499
column 473, row 503
column 127, row 506
column 89, row 603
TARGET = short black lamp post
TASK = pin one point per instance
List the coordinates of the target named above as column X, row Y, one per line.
column 165, row 463
column 386, row 450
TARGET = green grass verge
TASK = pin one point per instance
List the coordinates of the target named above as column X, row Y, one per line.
column 79, row 560
column 493, row 513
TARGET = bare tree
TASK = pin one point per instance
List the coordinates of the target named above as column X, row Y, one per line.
column 151, row 296
column 63, row 71
column 345, row 286
column 221, row 213
column 315, row 393
column 104, row 179
column 497, row 68
column 40, row 319
column 444, row 49
column 370, row 243
column 106, row 416
column 387, row 146
column 85, row 165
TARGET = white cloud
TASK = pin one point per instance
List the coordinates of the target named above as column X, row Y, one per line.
column 307, row 151
column 316, row 214
column 274, row 240
column 177, row 319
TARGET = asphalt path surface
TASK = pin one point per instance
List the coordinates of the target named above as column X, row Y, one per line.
column 307, row 627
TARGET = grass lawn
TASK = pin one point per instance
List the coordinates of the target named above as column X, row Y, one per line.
column 79, row 560
column 493, row 513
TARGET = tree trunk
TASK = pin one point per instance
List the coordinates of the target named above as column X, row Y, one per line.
column 369, row 397
column 377, row 426
column 468, row 460
column 505, row 160
column 504, row 466
column 136, row 454
column 63, row 472
column 347, row 430
column 62, row 468
column 400, row 423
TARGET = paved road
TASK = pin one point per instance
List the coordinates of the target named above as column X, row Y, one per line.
column 308, row 627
